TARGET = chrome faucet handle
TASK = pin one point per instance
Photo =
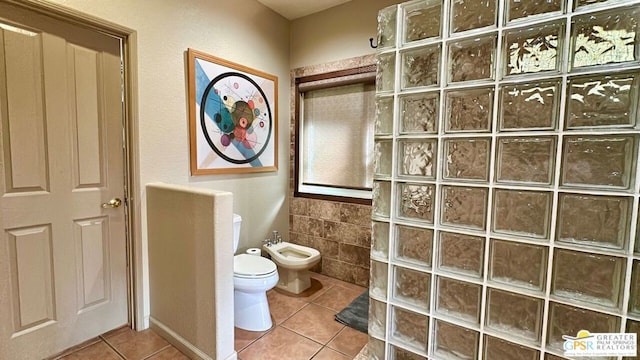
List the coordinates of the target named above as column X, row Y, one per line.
column 267, row 242
column 276, row 237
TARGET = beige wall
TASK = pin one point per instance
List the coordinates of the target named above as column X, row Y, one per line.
column 337, row 33
column 334, row 39
column 242, row 31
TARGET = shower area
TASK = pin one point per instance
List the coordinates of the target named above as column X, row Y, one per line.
column 506, row 185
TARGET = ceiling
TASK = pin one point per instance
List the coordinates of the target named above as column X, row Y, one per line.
column 293, row 9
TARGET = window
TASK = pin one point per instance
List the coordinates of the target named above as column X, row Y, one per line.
column 334, row 135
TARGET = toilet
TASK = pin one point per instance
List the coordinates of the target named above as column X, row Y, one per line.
column 294, row 262
column 253, row 276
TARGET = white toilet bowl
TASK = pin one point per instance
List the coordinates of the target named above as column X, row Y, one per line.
column 294, row 262
column 253, row 276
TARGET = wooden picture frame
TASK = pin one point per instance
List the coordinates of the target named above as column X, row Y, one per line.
column 233, row 112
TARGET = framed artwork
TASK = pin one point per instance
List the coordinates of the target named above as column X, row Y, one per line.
column 233, row 115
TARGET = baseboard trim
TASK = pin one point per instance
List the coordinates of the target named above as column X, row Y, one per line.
column 181, row 343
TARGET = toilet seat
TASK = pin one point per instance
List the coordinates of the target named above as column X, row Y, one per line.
column 253, row 267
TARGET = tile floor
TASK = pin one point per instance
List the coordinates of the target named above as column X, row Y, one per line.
column 304, row 328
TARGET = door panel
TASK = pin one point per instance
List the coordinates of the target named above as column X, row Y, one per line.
column 63, row 271
column 27, row 160
column 32, row 274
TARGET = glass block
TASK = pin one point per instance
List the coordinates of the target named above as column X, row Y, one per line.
column 518, row 9
column 412, row 287
column 518, row 264
column 548, row 356
column 591, row 220
column 634, row 301
column 524, row 213
column 637, row 239
column 378, row 279
column 602, row 101
column 382, row 155
column 606, row 37
column 423, row 20
column 375, row 348
column 455, row 342
column 417, row 157
column 472, row 14
column 472, row 59
column 604, row 161
column 384, row 116
column 459, row 299
column 467, row 159
column 533, row 49
column 402, row 354
column 461, row 253
column 419, row 113
column 495, row 348
column 377, row 318
column 469, row 110
column 568, row 320
column 464, row 207
column 593, row 278
column 385, row 76
column 381, row 194
column 416, row 202
column 514, row 315
column 380, row 239
column 410, row 328
column 531, row 106
column 581, row 3
column 387, row 26
column 413, row 245
column 421, row 67
column 633, row 327
column 527, row 160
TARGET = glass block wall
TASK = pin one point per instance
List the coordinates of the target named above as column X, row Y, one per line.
column 505, row 207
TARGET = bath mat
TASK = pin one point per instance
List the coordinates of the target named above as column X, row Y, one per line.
column 356, row 314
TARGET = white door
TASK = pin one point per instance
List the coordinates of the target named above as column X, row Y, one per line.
column 63, row 268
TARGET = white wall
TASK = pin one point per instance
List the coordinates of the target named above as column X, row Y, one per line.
column 242, row 31
column 337, row 33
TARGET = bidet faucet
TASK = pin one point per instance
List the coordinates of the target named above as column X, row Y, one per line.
column 268, row 242
column 276, row 237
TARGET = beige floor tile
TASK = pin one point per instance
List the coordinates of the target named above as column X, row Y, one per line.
column 99, row 350
column 280, row 344
column 282, row 306
column 363, row 354
column 349, row 342
column 136, row 345
column 328, row 354
column 315, row 322
column 350, row 285
column 169, row 353
column 338, row 297
column 319, row 285
column 244, row 338
column 324, row 279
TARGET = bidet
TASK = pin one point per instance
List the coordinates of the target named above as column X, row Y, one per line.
column 294, row 262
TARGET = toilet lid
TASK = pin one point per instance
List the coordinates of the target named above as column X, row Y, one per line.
column 251, row 265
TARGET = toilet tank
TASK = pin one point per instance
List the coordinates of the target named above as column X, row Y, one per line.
column 237, row 221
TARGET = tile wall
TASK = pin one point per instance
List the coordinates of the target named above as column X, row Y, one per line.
column 505, row 205
column 340, row 231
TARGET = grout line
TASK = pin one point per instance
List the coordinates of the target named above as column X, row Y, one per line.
column 75, row 349
column 113, row 348
column 157, row 352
